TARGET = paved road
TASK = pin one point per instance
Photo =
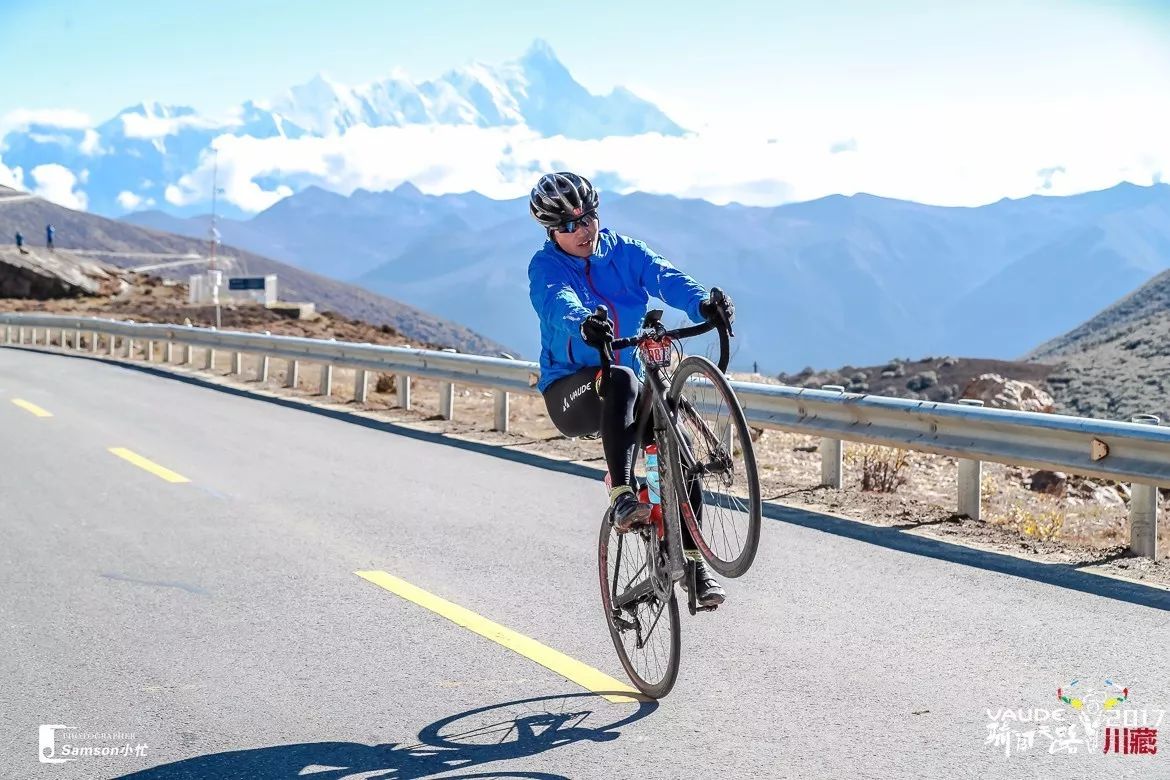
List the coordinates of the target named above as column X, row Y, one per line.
column 220, row 620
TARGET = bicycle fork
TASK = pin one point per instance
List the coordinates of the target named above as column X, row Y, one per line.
column 677, row 564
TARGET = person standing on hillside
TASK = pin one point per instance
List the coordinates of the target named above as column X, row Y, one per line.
column 20, row 243
column 49, row 237
column 580, row 267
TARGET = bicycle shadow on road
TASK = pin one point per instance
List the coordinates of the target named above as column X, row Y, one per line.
column 498, row 732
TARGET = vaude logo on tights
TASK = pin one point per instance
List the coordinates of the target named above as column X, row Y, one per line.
column 573, row 396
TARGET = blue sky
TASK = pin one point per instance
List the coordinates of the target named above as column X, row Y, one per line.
column 696, row 57
column 940, row 101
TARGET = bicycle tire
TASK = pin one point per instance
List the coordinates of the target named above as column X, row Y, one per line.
column 727, row 557
column 660, row 687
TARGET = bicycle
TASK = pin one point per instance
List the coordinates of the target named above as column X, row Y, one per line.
column 713, row 466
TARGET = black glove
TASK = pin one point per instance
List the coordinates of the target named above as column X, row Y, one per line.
column 708, row 309
column 596, row 331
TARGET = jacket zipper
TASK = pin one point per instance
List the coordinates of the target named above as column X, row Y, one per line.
column 617, row 328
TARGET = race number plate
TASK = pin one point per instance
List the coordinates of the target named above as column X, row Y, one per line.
column 656, row 354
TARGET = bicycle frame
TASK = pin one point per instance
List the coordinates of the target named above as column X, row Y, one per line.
column 673, row 449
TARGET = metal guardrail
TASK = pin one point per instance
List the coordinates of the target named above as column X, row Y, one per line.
column 1136, row 452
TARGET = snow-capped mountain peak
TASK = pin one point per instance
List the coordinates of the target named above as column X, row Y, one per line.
column 147, row 152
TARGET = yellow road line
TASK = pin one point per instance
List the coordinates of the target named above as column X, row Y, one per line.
column 571, row 669
column 33, row 408
column 148, row 465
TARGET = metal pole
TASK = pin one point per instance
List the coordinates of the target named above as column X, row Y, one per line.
column 327, row 379
column 832, row 454
column 294, row 374
column 237, row 363
column 1143, row 509
column 262, row 373
column 501, row 411
column 971, row 479
column 402, row 383
column 446, row 400
column 361, row 385
column 150, row 350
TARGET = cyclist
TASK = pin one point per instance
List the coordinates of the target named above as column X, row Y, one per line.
column 580, row 267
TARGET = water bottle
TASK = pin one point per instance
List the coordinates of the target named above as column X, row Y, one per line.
column 652, row 474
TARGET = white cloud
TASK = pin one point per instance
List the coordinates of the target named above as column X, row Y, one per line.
column 91, row 144
column 11, row 177
column 21, row 118
column 128, row 200
column 56, row 183
column 965, row 155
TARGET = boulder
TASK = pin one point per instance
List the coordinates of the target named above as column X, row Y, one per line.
column 1054, row 483
column 999, row 393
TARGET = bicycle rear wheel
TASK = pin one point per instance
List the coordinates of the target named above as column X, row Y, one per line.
column 719, row 457
column 644, row 626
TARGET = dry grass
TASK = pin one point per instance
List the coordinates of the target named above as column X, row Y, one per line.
column 883, row 469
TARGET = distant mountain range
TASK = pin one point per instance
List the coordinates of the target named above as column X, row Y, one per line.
column 855, row 280
column 130, row 160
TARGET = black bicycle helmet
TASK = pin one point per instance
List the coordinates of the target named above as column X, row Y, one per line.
column 560, row 197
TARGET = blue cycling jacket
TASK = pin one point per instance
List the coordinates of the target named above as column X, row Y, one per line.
column 621, row 275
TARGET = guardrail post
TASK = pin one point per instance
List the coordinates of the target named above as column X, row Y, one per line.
column 402, row 385
column 170, row 351
column 77, row 338
column 150, row 350
column 447, row 400
column 93, row 342
column 1143, row 509
column 327, row 379
column 34, row 336
column 832, row 452
column 447, row 395
column 502, row 404
column 262, row 372
column 209, row 359
column 20, row 337
column 361, row 385
column 7, row 334
column 237, row 363
column 113, row 344
column 188, row 354
column 129, row 342
column 294, row 374
column 971, row 479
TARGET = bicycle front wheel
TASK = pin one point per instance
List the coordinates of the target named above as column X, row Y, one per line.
column 719, row 463
column 643, row 625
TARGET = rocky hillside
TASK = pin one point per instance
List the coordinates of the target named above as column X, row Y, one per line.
column 944, row 379
column 87, row 232
column 147, row 298
column 1116, row 364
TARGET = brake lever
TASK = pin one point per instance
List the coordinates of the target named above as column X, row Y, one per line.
column 718, row 297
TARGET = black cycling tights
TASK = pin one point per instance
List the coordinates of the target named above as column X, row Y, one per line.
column 577, row 410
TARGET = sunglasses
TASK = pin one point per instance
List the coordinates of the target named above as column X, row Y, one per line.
column 585, row 220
